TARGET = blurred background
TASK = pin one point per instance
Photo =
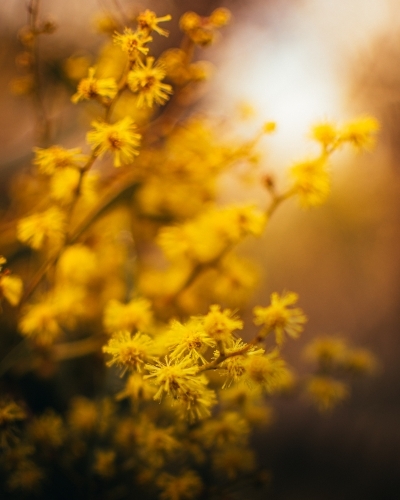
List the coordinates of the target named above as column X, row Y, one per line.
column 296, row 62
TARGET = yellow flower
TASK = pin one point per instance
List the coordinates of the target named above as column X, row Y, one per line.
column 186, row 486
column 174, row 377
column 232, row 461
column 195, row 404
column 47, row 430
column 269, row 127
column 83, row 414
column 135, row 315
column 311, row 183
column 40, row 322
column 146, row 80
column 132, row 43
column 118, row 138
column 360, row 361
column 280, row 316
column 229, row 428
column 234, row 280
column 51, row 159
column 326, row 350
column 77, row 265
column 269, row 371
column 93, row 88
column 148, row 22
column 156, row 443
column 129, row 352
column 137, row 389
column 235, row 366
column 220, row 325
column 239, row 221
column 205, row 238
column 360, row 133
column 326, row 392
column 325, row 133
column 65, row 182
column 188, row 339
column 11, row 288
column 42, row 228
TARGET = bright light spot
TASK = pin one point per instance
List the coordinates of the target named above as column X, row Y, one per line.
column 291, row 67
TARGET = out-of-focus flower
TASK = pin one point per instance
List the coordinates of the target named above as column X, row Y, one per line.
column 280, row 317
column 94, row 88
column 42, row 228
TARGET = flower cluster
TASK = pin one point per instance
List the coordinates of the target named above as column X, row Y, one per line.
column 135, row 271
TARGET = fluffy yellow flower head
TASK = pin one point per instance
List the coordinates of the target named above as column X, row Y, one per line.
column 205, row 237
column 325, row 133
column 229, row 428
column 77, row 265
column 195, row 404
column 311, row 182
column 135, row 315
column 83, row 414
column 47, row 430
column 40, row 322
column 51, row 159
column 232, row 461
column 129, row 352
column 42, row 228
column 203, row 30
column 360, row 361
column 118, row 138
column 11, row 287
column 94, row 88
column 137, row 389
column 132, row 43
column 280, row 316
column 235, row 366
column 269, row 371
column 188, row 339
column 240, row 221
column 326, row 392
column 156, row 443
column 174, row 377
column 66, row 182
column 148, row 22
column 146, row 80
column 360, row 133
column 326, row 350
column 220, row 325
